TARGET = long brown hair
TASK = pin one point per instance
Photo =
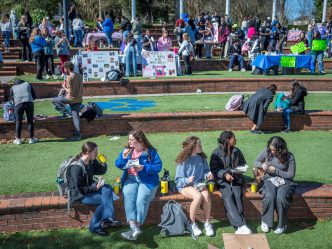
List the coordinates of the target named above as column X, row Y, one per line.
column 141, row 138
column 188, row 146
column 86, row 147
column 35, row 32
column 281, row 148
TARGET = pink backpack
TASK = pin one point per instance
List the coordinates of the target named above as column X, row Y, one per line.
column 234, row 103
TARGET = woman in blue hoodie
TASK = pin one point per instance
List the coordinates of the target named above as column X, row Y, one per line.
column 141, row 165
column 38, row 43
column 108, row 29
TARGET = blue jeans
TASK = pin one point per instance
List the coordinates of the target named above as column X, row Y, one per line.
column 208, row 50
column 232, row 58
column 139, row 43
column 105, row 209
column 131, row 59
column 317, row 55
column 6, row 37
column 78, row 34
column 109, row 38
column 125, row 34
column 60, row 104
column 15, row 33
column 137, row 197
column 286, row 115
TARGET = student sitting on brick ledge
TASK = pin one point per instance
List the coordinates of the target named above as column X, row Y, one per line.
column 141, row 165
column 191, row 171
column 278, row 186
column 85, row 190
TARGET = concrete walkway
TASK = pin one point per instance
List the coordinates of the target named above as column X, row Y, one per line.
column 6, row 79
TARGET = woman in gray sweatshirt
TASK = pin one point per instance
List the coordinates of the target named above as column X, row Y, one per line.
column 278, row 186
column 192, row 169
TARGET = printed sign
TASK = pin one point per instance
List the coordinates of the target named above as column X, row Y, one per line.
column 96, row 63
column 158, row 64
column 318, row 45
column 288, row 61
column 298, row 48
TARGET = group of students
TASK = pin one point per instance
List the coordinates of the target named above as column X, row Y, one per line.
column 68, row 103
column 257, row 105
column 140, row 182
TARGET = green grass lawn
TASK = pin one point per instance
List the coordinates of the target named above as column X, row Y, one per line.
column 296, row 237
column 32, row 168
column 209, row 74
column 184, row 103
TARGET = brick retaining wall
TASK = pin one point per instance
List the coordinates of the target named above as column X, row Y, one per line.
column 35, row 211
column 180, row 85
column 118, row 124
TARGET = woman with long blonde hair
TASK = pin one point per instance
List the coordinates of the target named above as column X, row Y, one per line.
column 191, row 172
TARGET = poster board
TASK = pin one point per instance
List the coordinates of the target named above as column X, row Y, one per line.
column 288, row 61
column 215, row 31
column 298, row 48
column 235, row 241
column 96, row 63
column 158, row 64
column 318, row 45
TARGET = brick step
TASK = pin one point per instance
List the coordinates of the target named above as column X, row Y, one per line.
column 8, row 68
column 7, row 73
column 115, row 124
column 11, row 57
column 24, row 212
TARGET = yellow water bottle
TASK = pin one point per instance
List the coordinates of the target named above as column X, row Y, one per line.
column 116, row 186
column 163, row 186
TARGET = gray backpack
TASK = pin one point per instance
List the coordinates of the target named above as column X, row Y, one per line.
column 174, row 221
column 62, row 180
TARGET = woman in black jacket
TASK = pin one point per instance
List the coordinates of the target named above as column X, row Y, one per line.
column 84, row 189
column 23, row 29
column 296, row 103
column 256, row 106
column 223, row 163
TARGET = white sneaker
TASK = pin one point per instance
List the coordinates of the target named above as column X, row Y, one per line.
column 136, row 232
column 243, row 70
column 17, row 141
column 230, row 70
column 208, row 229
column 264, row 227
column 280, row 230
column 33, row 140
column 47, row 77
column 196, row 230
column 128, row 235
column 243, row 230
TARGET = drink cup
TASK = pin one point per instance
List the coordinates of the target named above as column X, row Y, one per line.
column 253, row 187
column 211, row 187
column 101, row 158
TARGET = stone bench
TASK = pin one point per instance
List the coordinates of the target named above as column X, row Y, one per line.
column 34, row 211
column 120, row 124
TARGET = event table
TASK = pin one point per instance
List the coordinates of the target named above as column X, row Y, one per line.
column 266, row 61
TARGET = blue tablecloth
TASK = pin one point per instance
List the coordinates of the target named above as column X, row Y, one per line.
column 266, row 61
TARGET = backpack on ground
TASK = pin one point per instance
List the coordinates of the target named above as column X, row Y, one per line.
column 234, row 103
column 9, row 111
column 116, row 75
column 61, row 177
column 174, row 221
column 91, row 111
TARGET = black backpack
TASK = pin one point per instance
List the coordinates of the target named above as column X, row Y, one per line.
column 90, row 111
column 116, row 75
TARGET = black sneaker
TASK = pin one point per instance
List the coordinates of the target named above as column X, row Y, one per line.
column 99, row 231
column 76, row 138
column 255, row 131
column 110, row 223
column 287, row 130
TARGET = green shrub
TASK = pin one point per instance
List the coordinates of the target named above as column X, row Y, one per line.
column 37, row 15
column 19, row 10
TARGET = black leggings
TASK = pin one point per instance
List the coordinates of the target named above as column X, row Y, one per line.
column 40, row 59
column 26, row 107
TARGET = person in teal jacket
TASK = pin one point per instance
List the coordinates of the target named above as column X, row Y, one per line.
column 141, row 165
column 49, row 52
column 281, row 103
